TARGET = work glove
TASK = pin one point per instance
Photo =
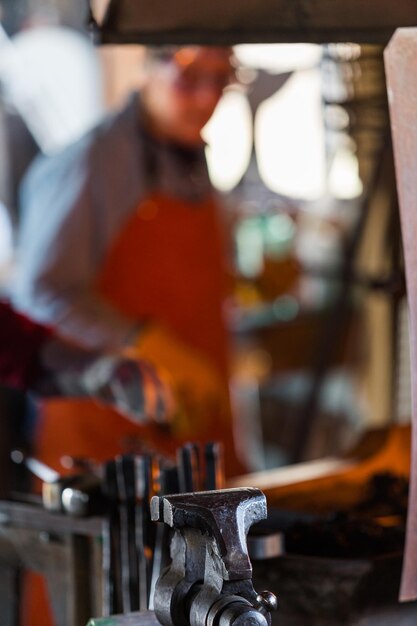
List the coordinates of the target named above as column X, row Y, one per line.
column 133, row 387
column 200, row 395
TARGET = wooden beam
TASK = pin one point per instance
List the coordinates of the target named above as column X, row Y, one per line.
column 251, row 21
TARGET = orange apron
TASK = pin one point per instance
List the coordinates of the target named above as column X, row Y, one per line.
column 167, row 266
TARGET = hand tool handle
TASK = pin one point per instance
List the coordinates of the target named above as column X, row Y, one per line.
column 188, row 468
column 213, row 454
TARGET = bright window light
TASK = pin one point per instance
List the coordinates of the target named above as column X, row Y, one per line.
column 229, row 138
column 344, row 182
column 289, row 135
column 289, row 138
column 279, row 57
column 52, row 76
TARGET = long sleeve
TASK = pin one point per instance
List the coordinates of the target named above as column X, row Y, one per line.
column 75, row 205
column 62, row 243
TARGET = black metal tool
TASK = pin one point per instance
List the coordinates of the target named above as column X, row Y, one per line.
column 168, row 483
column 126, row 485
column 77, row 494
column 210, row 578
column 213, row 456
column 188, row 463
column 112, row 602
column 144, row 534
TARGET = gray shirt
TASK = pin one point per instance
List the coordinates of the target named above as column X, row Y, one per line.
column 75, row 204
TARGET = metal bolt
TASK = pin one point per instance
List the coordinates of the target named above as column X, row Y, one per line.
column 266, row 602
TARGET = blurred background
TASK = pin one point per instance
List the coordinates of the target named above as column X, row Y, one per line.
column 299, row 149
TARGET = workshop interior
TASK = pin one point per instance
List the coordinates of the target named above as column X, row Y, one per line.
column 208, row 312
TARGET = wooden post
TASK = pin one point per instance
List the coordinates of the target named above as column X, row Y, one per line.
column 401, row 69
